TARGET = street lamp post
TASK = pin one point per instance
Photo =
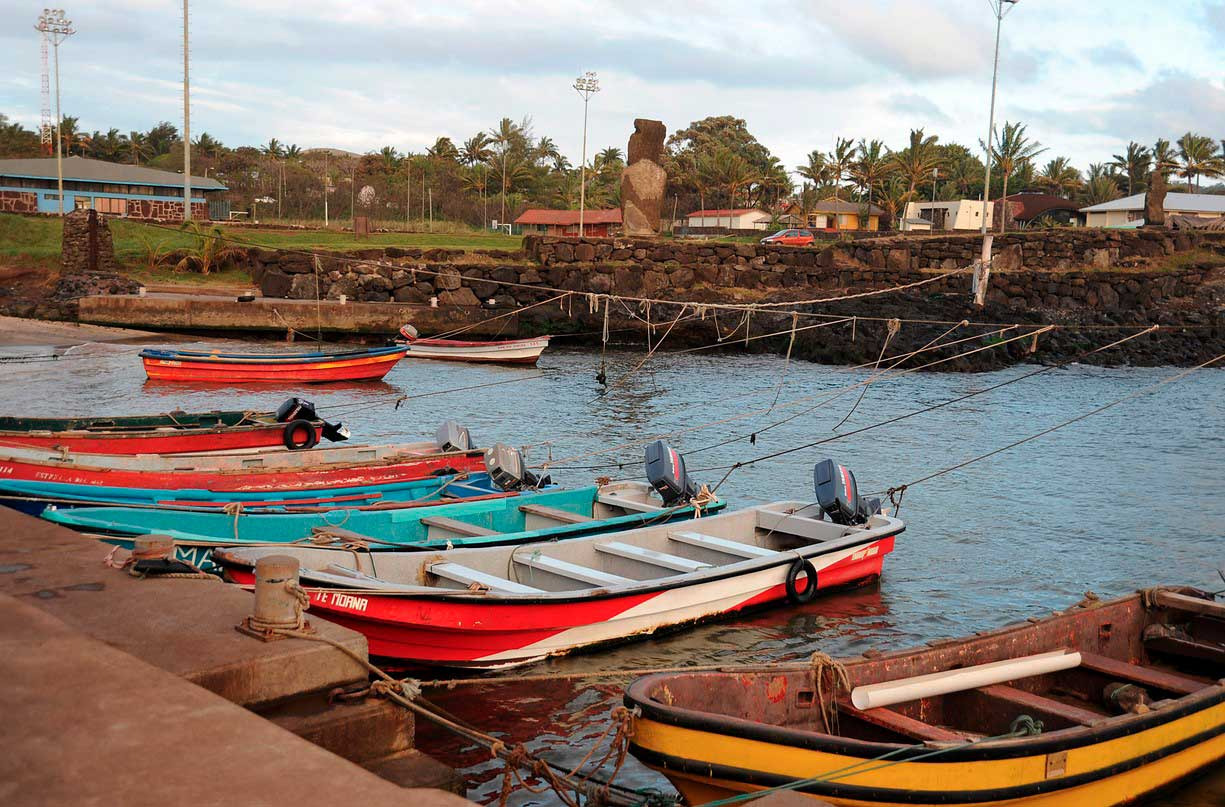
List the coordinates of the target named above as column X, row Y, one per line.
column 57, row 28
column 587, row 85
column 1000, row 8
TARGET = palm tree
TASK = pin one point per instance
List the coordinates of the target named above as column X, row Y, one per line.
column 107, row 146
column 443, row 149
column 1134, row 163
column 734, row 172
column 138, row 148
column 1060, row 177
column 275, row 148
column 475, row 149
column 816, row 170
column 1199, row 158
column 917, row 161
column 871, row 165
column 962, row 168
column 1165, row 160
column 895, row 193
column 208, row 146
column 390, row 158
column 1102, row 188
column 505, row 136
column 1012, row 149
column 293, row 152
column 840, row 160
column 70, row 134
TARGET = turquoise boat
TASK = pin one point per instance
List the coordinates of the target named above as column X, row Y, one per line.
column 522, row 518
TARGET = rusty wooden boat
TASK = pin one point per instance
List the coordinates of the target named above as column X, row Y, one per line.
column 1097, row 705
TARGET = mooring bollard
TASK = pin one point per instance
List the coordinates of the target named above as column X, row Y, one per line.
column 279, row 600
column 153, row 547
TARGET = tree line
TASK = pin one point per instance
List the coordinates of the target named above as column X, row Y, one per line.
column 714, row 162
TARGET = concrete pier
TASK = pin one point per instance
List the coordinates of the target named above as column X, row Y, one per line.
column 140, row 691
column 200, row 312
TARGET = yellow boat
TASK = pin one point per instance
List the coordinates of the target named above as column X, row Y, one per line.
column 1097, row 705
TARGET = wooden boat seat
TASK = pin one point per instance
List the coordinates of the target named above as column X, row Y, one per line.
column 565, row 517
column 1158, row 679
column 564, row 568
column 1042, row 706
column 899, row 723
column 723, row 545
column 460, row 527
column 466, row 576
column 662, row 559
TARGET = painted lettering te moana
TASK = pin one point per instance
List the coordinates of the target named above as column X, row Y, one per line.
column 339, row 600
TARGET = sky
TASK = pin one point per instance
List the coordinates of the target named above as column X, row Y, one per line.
column 1086, row 77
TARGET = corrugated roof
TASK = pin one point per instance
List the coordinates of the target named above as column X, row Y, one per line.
column 738, row 211
column 832, row 205
column 80, row 169
column 1174, row 203
column 1027, row 206
column 568, row 217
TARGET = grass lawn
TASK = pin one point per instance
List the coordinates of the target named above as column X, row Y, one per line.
column 38, row 237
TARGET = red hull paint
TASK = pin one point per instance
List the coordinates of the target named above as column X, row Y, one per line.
column 360, row 369
column 169, row 441
column 323, row 477
column 441, row 631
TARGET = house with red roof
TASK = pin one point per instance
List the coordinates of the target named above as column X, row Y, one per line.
column 596, row 223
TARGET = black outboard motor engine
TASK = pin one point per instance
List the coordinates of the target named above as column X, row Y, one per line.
column 838, row 495
column 453, row 437
column 508, row 471
column 666, row 473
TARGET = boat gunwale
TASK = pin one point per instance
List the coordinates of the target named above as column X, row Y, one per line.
column 879, row 795
column 650, row 586
column 1112, row 727
column 203, row 357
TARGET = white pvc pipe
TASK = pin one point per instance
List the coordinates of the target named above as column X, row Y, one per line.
column 888, row 693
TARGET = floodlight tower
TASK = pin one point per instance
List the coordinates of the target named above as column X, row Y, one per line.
column 56, row 28
column 587, row 85
column 186, row 125
column 46, row 126
column 1000, row 8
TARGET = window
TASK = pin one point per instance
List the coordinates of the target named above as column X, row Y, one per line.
column 52, row 196
column 115, row 207
column 81, row 202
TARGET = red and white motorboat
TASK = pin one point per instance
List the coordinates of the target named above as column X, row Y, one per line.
column 506, row 351
column 505, row 606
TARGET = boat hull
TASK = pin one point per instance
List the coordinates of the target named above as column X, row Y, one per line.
column 433, row 630
column 518, row 351
column 227, row 371
column 158, row 441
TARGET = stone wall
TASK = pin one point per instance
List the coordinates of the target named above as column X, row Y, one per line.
column 18, row 202
column 162, row 210
column 75, row 253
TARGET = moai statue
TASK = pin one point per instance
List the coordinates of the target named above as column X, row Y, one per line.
column 644, row 179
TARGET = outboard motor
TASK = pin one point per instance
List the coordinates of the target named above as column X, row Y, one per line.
column 666, row 473
column 295, row 409
column 453, row 437
column 508, row 471
column 335, row 432
column 838, row 495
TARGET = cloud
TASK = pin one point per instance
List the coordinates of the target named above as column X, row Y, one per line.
column 1115, row 54
column 919, row 107
column 917, row 40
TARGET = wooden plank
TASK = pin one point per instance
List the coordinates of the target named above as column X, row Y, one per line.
column 723, row 545
column 467, row 576
column 1043, row 705
column 1159, row 679
column 563, row 568
column 901, row 724
column 662, row 559
column 1194, row 605
column 564, row 516
column 460, row 527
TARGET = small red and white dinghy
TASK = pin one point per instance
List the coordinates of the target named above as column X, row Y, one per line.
column 506, row 351
column 504, row 606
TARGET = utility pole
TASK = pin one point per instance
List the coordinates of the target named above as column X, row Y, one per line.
column 327, row 181
column 587, row 85
column 186, row 125
column 983, row 273
column 53, row 24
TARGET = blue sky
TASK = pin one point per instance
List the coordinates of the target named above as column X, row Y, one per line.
column 1086, row 77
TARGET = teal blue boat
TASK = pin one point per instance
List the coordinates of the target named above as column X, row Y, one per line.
column 541, row 516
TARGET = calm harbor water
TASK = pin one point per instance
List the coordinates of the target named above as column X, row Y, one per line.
column 1128, row 498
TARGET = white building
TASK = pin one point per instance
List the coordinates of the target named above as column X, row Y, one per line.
column 741, row 218
column 1129, row 211
column 963, row 214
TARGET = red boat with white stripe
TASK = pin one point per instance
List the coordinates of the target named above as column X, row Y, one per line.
column 504, row 606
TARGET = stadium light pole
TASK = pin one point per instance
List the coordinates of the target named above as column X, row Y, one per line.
column 57, row 27
column 186, row 124
column 1000, row 8
column 587, row 85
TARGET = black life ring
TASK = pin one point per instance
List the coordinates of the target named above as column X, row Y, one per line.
column 793, row 594
column 290, row 435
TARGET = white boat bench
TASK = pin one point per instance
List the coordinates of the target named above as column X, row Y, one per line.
column 723, row 545
column 563, row 568
column 650, row 556
column 564, row 516
column 458, row 527
column 467, row 576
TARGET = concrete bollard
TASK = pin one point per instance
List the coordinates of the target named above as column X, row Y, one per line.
column 276, row 604
column 153, row 547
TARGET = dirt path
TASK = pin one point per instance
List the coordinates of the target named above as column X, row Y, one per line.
column 17, row 331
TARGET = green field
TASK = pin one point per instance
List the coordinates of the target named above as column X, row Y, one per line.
column 38, row 238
